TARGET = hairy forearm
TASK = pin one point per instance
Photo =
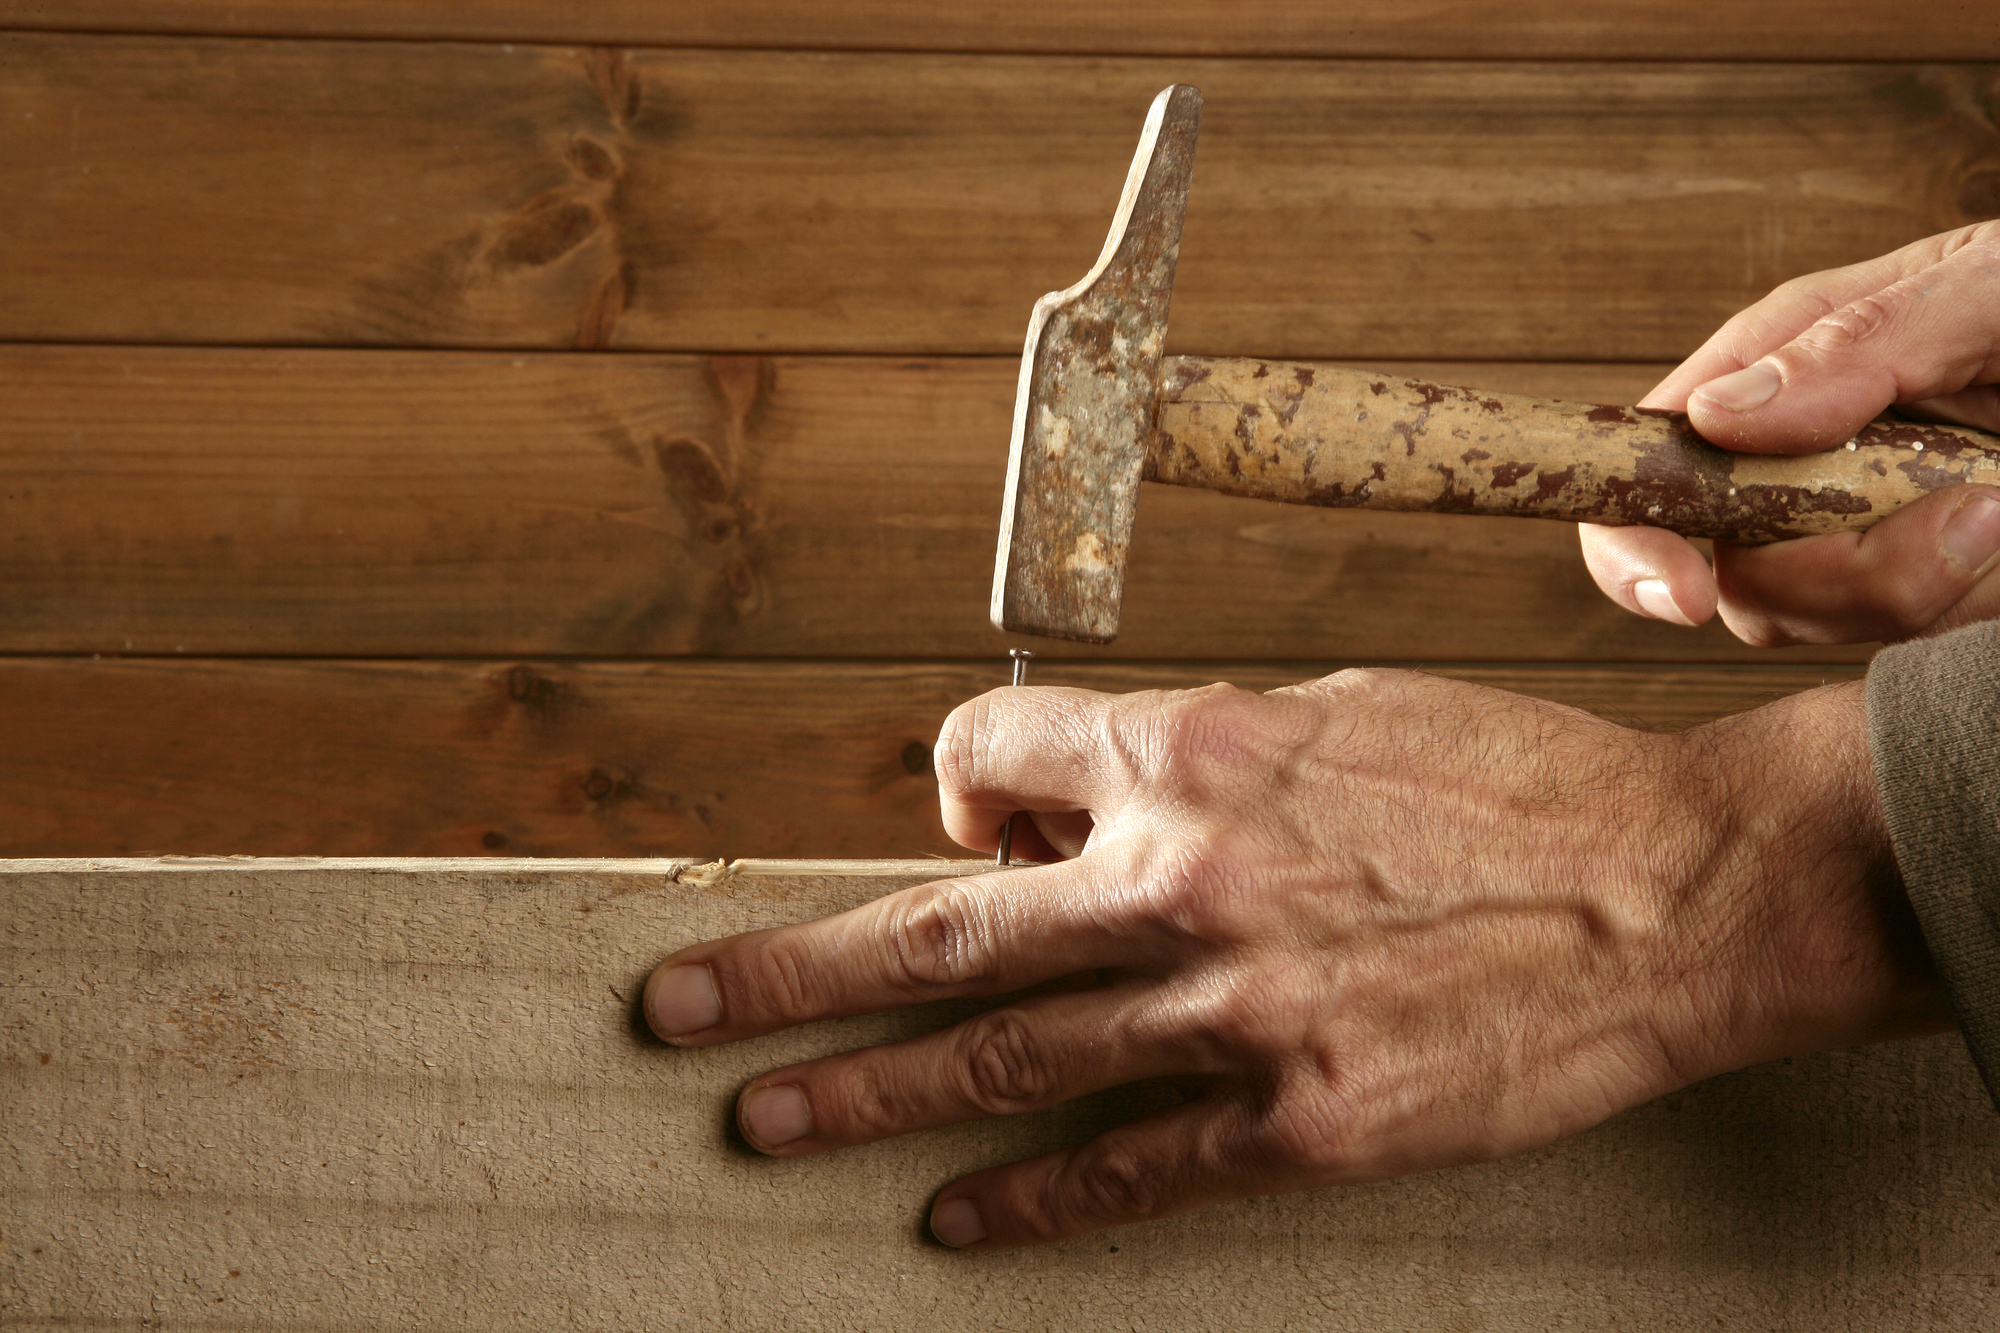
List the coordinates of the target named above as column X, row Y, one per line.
column 1812, row 942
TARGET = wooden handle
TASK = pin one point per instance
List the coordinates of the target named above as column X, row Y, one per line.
column 1323, row 435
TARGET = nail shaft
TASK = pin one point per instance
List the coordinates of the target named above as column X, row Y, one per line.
column 1021, row 658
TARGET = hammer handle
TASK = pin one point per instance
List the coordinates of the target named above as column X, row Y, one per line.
column 1323, row 435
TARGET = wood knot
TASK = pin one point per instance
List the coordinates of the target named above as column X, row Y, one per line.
column 692, row 470
column 611, row 73
column 549, row 227
column 741, row 382
column 594, row 161
column 531, row 689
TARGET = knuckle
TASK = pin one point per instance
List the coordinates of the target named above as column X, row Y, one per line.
column 956, row 755
column 1006, row 1069
column 1192, row 742
column 1202, row 891
column 1747, row 606
column 943, row 935
column 1107, row 1182
column 1980, row 240
column 777, row 983
column 1215, row 725
column 1308, row 1129
column 1258, row 1018
column 867, row 1103
column 1850, row 324
column 1361, row 683
column 1904, row 602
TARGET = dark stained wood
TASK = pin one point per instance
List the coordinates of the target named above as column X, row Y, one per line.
column 327, row 503
column 224, row 191
column 1588, row 29
column 701, row 759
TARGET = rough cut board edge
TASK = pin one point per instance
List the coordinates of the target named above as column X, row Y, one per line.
column 1791, row 30
column 674, row 870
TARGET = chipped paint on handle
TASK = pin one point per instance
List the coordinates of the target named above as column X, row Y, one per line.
column 1324, row 435
column 1084, row 411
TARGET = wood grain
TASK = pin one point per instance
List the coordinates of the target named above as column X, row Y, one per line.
column 120, row 757
column 1585, row 29
column 323, row 503
column 416, row 1095
column 388, row 193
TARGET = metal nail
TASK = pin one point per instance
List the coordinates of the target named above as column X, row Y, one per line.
column 1021, row 658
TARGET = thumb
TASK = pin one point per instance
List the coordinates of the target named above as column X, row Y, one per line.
column 1928, row 335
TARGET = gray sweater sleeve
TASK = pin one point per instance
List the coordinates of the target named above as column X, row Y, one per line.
column 1934, row 728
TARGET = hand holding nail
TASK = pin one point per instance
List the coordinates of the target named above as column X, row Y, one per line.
column 1268, row 900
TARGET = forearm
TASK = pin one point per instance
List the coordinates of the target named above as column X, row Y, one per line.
column 1813, row 941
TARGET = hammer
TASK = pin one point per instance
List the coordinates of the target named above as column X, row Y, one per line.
column 1099, row 410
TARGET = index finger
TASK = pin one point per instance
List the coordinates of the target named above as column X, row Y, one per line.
column 1040, row 748
column 1789, row 310
column 984, row 935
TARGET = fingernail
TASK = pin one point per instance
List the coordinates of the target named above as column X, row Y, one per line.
column 956, row 1223
column 1743, row 390
column 773, row 1117
column 1658, row 601
column 1972, row 536
column 684, row 1000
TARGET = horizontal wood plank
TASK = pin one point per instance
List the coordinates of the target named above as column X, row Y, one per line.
column 418, row 1096
column 328, row 503
column 698, row 759
column 1575, row 29
column 387, row 193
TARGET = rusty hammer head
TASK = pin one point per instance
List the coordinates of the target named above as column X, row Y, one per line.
column 1083, row 414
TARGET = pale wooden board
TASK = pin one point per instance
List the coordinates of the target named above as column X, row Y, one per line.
column 217, row 501
column 1592, row 29
column 416, row 1095
column 579, row 758
column 436, row 193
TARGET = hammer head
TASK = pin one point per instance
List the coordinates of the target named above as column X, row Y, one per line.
column 1083, row 414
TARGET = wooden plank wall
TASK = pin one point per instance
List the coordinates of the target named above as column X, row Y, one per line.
column 501, row 427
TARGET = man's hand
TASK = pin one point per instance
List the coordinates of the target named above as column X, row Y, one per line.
column 1802, row 371
column 1374, row 924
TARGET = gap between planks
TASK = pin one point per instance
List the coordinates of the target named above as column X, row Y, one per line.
column 673, row 870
